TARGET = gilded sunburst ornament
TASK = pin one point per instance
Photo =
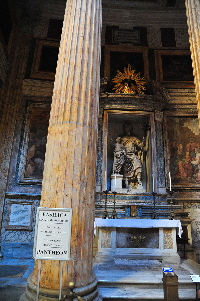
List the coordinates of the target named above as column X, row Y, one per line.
column 129, row 81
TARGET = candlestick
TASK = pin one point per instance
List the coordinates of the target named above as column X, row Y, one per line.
column 170, row 181
column 105, row 213
column 105, row 181
column 154, row 214
column 114, row 213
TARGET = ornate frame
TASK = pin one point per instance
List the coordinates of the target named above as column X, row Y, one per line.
column 36, row 71
column 139, row 50
column 17, row 215
column 35, row 124
column 124, row 116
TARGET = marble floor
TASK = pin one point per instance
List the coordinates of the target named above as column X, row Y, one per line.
column 142, row 279
column 120, row 280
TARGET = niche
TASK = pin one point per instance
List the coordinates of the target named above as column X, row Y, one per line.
column 127, row 151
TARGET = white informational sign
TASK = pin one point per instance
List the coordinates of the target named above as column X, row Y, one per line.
column 53, row 233
column 195, row 278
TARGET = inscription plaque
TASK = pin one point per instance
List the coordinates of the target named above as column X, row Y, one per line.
column 19, row 215
column 126, row 36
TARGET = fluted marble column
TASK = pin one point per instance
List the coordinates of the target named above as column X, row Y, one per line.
column 70, row 161
column 193, row 20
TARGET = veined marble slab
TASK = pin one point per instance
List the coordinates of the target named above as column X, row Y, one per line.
column 139, row 223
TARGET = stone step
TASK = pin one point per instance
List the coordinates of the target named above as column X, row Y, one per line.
column 144, row 285
column 107, row 257
column 119, row 294
column 142, row 280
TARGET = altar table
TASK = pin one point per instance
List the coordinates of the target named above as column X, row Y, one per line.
column 138, row 239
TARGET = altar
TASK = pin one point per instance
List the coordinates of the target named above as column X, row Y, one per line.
column 137, row 239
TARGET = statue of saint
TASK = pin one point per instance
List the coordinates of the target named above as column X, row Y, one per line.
column 128, row 158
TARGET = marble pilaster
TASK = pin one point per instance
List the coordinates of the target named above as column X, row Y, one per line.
column 11, row 100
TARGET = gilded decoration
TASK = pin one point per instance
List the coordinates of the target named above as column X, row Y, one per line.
column 129, row 81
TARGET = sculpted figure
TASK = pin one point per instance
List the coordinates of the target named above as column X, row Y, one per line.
column 128, row 157
column 119, row 156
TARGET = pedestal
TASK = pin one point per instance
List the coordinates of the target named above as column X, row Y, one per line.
column 116, row 185
column 116, row 182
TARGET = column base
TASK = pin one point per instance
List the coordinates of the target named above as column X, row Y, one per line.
column 88, row 293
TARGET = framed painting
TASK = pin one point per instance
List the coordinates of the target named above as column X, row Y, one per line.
column 45, row 59
column 174, row 68
column 120, row 56
column 33, row 144
column 20, row 215
column 184, row 151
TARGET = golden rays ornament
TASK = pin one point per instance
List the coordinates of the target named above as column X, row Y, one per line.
column 129, row 81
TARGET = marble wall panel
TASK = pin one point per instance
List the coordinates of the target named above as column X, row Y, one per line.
column 137, row 238
column 18, row 235
column 105, row 238
column 168, row 239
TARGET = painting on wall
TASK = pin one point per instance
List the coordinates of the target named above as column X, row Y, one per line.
column 120, row 56
column 174, row 68
column 184, row 151
column 120, row 60
column 177, row 68
column 34, row 143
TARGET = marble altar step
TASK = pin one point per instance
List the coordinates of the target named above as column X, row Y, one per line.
column 143, row 294
column 142, row 280
column 108, row 258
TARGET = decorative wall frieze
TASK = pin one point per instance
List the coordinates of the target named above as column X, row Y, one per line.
column 16, row 196
column 37, row 88
column 124, row 101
